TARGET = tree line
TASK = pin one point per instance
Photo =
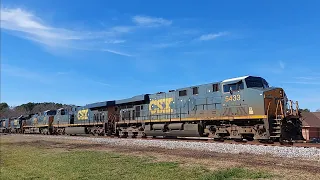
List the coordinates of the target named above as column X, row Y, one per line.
column 7, row 111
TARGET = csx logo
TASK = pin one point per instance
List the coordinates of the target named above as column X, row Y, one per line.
column 161, row 106
column 233, row 98
column 82, row 114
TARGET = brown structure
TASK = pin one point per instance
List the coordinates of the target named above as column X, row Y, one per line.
column 310, row 125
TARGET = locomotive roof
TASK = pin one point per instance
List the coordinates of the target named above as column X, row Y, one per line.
column 235, row 79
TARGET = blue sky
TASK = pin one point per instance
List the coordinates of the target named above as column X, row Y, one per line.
column 79, row 52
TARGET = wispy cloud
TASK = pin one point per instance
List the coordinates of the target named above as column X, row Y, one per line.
column 303, row 82
column 281, row 64
column 150, row 21
column 166, row 45
column 122, row 29
column 207, row 37
column 101, row 83
column 308, row 78
column 32, row 27
column 117, row 41
column 117, row 52
column 27, row 25
column 15, row 71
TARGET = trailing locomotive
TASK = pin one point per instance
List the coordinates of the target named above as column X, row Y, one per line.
column 238, row 108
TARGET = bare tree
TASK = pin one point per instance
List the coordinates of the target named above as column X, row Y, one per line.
column 29, row 108
column 318, row 110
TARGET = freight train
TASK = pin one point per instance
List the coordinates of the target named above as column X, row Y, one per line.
column 242, row 108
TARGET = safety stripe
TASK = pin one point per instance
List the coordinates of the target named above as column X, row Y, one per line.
column 64, row 125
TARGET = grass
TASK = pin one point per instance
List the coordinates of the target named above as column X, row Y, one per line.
column 32, row 162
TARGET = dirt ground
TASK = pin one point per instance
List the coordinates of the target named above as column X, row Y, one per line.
column 283, row 168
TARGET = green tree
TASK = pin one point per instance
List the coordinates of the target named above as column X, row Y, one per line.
column 304, row 110
column 3, row 106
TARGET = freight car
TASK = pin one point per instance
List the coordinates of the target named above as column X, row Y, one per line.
column 238, row 108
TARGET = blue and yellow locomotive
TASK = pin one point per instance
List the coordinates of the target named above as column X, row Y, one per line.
column 238, row 108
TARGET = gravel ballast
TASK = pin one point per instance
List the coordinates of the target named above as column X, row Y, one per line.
column 280, row 151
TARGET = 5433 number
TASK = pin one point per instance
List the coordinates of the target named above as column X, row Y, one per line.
column 233, row 98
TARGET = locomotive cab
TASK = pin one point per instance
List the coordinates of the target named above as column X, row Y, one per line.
column 243, row 96
column 268, row 108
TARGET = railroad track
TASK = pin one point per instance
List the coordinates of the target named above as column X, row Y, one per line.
column 211, row 140
column 204, row 140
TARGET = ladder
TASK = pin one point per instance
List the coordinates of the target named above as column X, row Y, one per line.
column 275, row 126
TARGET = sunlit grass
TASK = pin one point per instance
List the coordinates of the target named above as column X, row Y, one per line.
column 30, row 162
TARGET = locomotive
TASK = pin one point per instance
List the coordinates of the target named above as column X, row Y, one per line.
column 242, row 108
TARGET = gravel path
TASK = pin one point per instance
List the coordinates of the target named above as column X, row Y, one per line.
column 289, row 152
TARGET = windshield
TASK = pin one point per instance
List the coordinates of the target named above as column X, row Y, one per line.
column 256, row 82
column 52, row 112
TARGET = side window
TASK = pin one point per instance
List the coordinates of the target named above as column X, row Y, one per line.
column 233, row 87
column 183, row 93
column 63, row 112
column 137, row 112
column 215, row 87
column 195, row 90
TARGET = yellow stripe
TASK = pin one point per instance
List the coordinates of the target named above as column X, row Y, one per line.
column 195, row 119
column 37, row 126
column 64, row 125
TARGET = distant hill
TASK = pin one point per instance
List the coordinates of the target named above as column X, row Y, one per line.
column 29, row 108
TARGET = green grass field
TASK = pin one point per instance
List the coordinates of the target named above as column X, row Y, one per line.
column 30, row 162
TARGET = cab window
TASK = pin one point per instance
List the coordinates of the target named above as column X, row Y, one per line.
column 256, row 82
column 63, row 112
column 233, row 87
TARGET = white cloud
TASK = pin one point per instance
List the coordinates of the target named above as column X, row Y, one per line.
column 27, row 25
column 116, row 52
column 150, row 21
column 166, row 45
column 303, row 82
column 121, row 29
column 207, row 37
column 15, row 71
column 281, row 64
column 308, row 78
column 115, row 41
column 31, row 27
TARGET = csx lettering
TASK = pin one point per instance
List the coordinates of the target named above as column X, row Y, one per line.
column 233, row 98
column 83, row 114
column 160, row 106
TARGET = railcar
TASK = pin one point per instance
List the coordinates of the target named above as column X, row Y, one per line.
column 4, row 124
column 40, row 123
column 87, row 120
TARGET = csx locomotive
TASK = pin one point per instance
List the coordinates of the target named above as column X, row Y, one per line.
column 238, row 108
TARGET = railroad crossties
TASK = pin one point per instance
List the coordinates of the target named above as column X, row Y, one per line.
column 177, row 158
